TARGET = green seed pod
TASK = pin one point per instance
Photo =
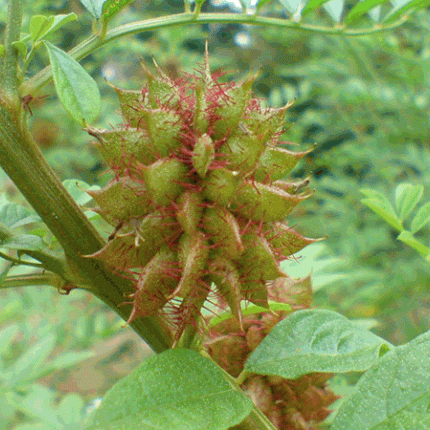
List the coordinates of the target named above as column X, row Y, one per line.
column 197, row 201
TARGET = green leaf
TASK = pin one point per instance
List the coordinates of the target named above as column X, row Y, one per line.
column 250, row 310
column 76, row 89
column 334, row 9
column 6, row 336
column 112, row 7
column 408, row 238
column 422, row 217
column 311, row 5
column 315, row 341
column 407, row 197
column 77, row 189
column 393, row 394
column 41, row 25
column 25, row 368
column 94, row 7
column 2, row 50
column 360, row 9
column 384, row 210
column 290, row 5
column 14, row 215
column 23, row 242
column 21, row 47
column 178, row 389
column 401, row 8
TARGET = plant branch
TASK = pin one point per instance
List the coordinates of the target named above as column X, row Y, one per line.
column 24, row 164
column 94, row 42
column 10, row 61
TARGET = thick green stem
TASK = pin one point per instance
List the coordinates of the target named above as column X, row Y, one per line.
column 10, row 61
column 24, row 164
column 185, row 19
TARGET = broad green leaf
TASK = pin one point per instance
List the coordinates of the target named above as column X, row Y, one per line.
column 312, row 5
column 394, row 394
column 94, row 7
column 76, row 89
column 374, row 194
column 407, row 197
column 360, row 9
column 384, row 210
column 77, row 189
column 422, row 217
column 401, row 8
column 14, row 215
column 315, row 341
column 112, row 7
column 334, row 9
column 42, row 26
column 408, row 238
column 2, row 50
column 178, row 389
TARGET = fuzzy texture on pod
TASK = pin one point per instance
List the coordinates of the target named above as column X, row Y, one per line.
column 197, row 201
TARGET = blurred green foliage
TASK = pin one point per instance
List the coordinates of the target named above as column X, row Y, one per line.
column 363, row 101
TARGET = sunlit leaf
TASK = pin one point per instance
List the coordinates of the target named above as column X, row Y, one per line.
column 407, row 197
column 421, row 218
column 360, row 9
column 408, row 238
column 393, row 394
column 112, row 7
column 384, row 210
column 76, row 89
column 315, row 341
column 94, row 7
column 334, row 9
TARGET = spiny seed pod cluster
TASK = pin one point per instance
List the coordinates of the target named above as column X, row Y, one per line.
column 298, row 404
column 198, row 201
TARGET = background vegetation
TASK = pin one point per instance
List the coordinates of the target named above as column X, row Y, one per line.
column 364, row 101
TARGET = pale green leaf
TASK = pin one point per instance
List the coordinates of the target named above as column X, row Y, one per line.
column 315, row 341
column 384, row 210
column 394, row 394
column 334, row 9
column 421, row 218
column 76, row 89
column 94, row 7
column 77, row 189
column 402, row 9
column 407, row 197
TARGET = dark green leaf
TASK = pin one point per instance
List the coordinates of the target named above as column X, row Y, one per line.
column 360, row 9
column 315, row 341
column 76, row 89
column 178, row 389
column 422, row 217
column 393, row 394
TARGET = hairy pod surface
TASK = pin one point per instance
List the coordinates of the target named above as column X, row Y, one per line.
column 197, row 200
